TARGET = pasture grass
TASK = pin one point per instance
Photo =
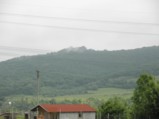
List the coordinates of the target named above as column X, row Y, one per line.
column 101, row 93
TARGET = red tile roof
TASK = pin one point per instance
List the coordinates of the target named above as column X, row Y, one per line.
column 67, row 108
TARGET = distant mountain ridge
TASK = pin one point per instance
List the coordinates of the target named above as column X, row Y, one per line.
column 77, row 70
column 74, row 49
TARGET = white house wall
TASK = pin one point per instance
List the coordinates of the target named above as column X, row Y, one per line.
column 88, row 115
column 68, row 115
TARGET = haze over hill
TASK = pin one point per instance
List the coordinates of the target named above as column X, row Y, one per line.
column 77, row 70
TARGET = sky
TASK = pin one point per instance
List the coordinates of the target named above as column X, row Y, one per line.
column 30, row 27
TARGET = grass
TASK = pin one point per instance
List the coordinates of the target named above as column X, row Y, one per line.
column 102, row 94
column 20, row 117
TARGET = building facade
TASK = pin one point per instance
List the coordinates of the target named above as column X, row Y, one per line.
column 65, row 111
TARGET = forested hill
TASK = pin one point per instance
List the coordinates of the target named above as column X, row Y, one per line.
column 77, row 70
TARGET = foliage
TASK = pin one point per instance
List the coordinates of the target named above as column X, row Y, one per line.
column 146, row 98
column 2, row 99
column 75, row 72
column 144, row 103
column 93, row 98
column 114, row 108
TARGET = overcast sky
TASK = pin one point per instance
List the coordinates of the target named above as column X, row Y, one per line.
column 37, row 26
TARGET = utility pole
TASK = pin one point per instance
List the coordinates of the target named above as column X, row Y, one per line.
column 38, row 86
column 38, row 76
column 11, row 109
column 108, row 115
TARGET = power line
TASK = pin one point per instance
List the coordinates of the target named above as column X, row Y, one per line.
column 10, row 48
column 77, row 19
column 11, row 54
column 81, row 29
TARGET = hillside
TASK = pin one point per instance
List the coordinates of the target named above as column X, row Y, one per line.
column 76, row 70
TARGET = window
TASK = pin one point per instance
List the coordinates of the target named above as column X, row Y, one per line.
column 80, row 115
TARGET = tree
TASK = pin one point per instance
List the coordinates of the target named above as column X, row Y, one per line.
column 114, row 108
column 2, row 99
column 146, row 98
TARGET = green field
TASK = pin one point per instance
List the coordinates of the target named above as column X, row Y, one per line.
column 93, row 98
column 101, row 94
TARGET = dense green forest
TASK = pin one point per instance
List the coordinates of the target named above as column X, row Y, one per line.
column 78, row 70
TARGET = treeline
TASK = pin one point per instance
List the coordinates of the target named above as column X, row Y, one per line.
column 75, row 72
column 27, row 103
column 144, row 103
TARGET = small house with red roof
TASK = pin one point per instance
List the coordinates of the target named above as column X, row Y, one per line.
column 63, row 111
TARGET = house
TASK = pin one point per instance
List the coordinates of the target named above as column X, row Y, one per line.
column 63, row 111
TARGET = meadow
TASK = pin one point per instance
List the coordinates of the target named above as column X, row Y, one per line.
column 101, row 94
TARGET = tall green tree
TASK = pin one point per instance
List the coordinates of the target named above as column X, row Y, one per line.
column 114, row 108
column 146, row 98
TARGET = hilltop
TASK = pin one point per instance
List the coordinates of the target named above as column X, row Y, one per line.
column 76, row 70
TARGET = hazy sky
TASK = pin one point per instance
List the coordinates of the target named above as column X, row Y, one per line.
column 51, row 25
